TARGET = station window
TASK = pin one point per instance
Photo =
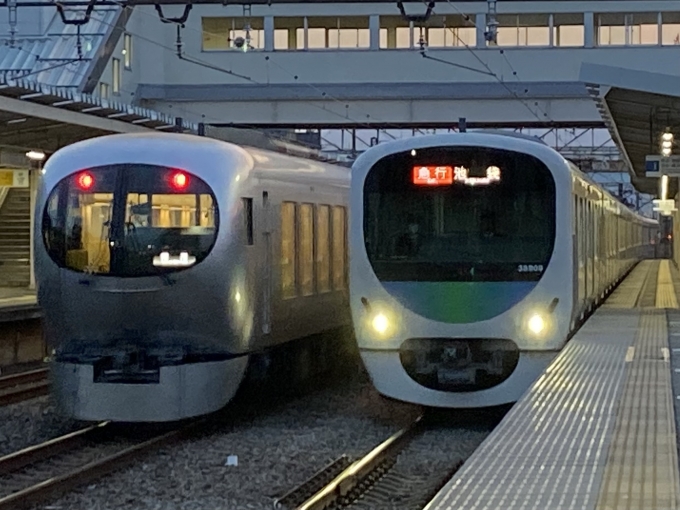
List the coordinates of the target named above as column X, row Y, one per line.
column 615, row 29
column 306, row 250
column 524, row 30
column 221, row 34
column 323, row 261
column 335, row 32
column 104, row 90
column 286, row 32
column 395, row 32
column 127, row 51
column 568, row 29
column 339, row 236
column 115, row 78
column 449, row 32
column 670, row 29
column 288, row 273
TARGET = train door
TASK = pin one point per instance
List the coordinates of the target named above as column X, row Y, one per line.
column 591, row 252
column 267, row 269
column 580, row 263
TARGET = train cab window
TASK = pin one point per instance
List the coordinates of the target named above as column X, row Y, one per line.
column 248, row 219
column 130, row 220
column 306, row 251
column 288, row 249
column 459, row 214
column 323, row 261
column 339, row 237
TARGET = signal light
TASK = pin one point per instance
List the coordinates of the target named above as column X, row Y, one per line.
column 85, row 181
column 179, row 180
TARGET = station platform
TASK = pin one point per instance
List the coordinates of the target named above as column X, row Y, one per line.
column 18, row 304
column 598, row 429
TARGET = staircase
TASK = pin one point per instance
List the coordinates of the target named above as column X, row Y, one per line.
column 15, row 232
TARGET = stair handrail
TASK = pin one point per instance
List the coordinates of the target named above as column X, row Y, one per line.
column 4, row 191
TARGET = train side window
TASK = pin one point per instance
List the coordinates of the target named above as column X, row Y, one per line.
column 288, row 249
column 339, row 235
column 323, row 261
column 248, row 219
column 306, row 250
column 53, row 229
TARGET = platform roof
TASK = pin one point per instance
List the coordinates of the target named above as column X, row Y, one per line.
column 637, row 107
column 34, row 116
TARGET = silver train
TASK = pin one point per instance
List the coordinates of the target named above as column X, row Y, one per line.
column 473, row 258
column 164, row 261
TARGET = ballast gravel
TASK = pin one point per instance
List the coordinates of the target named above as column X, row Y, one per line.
column 251, row 461
column 31, row 422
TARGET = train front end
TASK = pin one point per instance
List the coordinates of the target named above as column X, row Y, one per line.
column 128, row 232
column 460, row 276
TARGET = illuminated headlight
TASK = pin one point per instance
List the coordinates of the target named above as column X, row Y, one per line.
column 380, row 323
column 538, row 324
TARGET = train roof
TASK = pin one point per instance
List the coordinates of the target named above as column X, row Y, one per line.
column 476, row 138
column 176, row 149
column 511, row 134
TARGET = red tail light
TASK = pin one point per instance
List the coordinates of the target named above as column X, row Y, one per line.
column 85, row 180
column 179, row 180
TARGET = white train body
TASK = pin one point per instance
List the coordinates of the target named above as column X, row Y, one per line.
column 473, row 258
column 163, row 261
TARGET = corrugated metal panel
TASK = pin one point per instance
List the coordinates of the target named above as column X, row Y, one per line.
column 53, row 60
column 75, row 101
column 21, row 58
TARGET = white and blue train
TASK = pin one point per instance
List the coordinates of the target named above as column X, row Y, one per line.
column 473, row 259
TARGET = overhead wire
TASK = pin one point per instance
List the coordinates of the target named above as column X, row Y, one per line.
column 324, row 94
column 489, row 70
column 191, row 59
column 268, row 59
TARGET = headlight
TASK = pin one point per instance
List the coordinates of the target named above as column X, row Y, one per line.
column 536, row 324
column 380, row 323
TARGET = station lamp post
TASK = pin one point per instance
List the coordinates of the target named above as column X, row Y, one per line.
column 36, row 157
column 666, row 151
column 667, row 143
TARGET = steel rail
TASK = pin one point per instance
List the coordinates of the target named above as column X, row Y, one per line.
column 55, row 486
column 23, row 386
column 351, row 478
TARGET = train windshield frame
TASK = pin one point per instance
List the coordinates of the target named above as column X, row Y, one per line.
column 130, row 220
column 459, row 214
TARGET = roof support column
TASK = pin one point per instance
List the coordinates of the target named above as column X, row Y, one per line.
column 269, row 33
column 480, row 23
column 374, row 29
column 589, row 29
column 34, row 177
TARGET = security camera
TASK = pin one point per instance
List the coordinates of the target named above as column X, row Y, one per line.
column 239, row 42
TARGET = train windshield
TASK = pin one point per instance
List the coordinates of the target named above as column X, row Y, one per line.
column 459, row 214
column 130, row 220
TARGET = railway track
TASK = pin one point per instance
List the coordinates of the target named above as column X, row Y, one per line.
column 372, row 481
column 23, row 386
column 50, row 469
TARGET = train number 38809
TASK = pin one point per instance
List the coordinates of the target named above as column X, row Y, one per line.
column 530, row 268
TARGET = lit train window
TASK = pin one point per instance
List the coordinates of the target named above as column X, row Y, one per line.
column 489, row 222
column 129, row 220
column 339, row 234
column 323, row 261
column 288, row 273
column 306, row 251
